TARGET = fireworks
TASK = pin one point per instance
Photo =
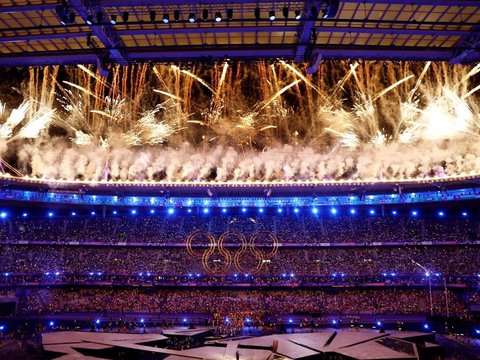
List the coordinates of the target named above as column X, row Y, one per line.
column 260, row 122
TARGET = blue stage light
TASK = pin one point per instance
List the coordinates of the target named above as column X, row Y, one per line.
column 133, row 212
column 379, row 323
column 394, row 212
column 441, row 213
column 477, row 331
column 414, row 213
column 464, row 213
column 142, row 320
column 426, row 326
column 279, row 210
column 92, row 213
column 171, row 211
column 2, row 327
column 224, row 210
column 290, row 321
column 334, row 322
column 24, row 215
column 50, row 214
column 296, row 210
column 352, row 211
column 57, row 273
column 97, row 321
column 333, row 211
column 244, row 210
column 260, row 210
column 315, row 211
column 114, row 212
column 51, row 323
column 152, row 211
column 184, row 320
column 74, row 213
column 372, row 212
column 206, row 210
column 189, row 211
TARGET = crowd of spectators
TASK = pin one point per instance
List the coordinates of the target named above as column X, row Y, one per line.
column 290, row 229
column 452, row 260
column 228, row 303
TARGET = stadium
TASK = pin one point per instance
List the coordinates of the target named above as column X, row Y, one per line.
column 239, row 180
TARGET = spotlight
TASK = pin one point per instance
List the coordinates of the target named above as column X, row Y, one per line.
column 25, row 215
column 414, row 213
column 441, row 213
column 153, row 15
column 125, row 16
column 204, row 14
column 296, row 210
column 99, row 17
column 257, row 13
column 331, row 9
column 426, row 326
column 191, row 17
column 372, row 212
column 285, row 12
column 3, row 215
column 333, row 211
column 50, row 214
column 224, row 210
column 298, row 14
column 176, row 15
column 92, row 213
column 271, row 15
column 464, row 213
column 394, row 212
column 205, row 210
column 166, row 18
column 133, row 212
column 218, row 16
column 114, row 212
column 171, row 211
column 89, row 20
column 230, row 14
column 352, row 211
column 113, row 19
column 62, row 13
column 315, row 211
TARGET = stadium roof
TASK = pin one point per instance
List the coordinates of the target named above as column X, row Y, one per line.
column 32, row 32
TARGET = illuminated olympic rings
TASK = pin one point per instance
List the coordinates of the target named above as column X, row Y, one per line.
column 245, row 246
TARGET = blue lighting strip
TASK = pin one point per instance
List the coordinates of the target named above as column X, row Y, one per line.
column 226, row 202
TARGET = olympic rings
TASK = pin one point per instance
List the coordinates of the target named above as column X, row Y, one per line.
column 245, row 247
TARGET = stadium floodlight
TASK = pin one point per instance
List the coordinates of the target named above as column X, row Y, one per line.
column 113, row 19
column 218, row 16
column 166, row 18
column 191, row 17
column 298, row 14
column 271, row 15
